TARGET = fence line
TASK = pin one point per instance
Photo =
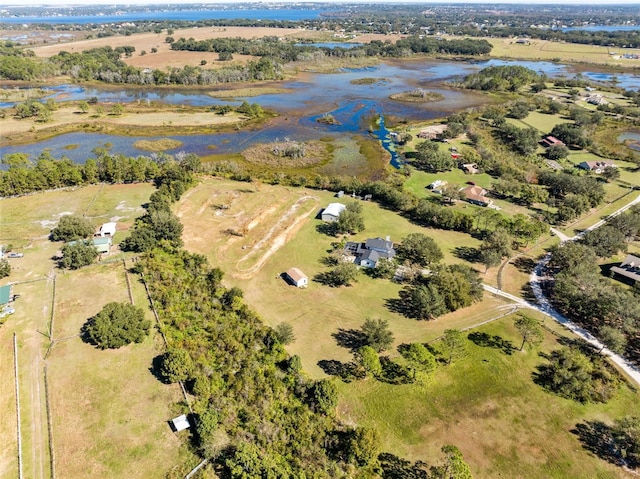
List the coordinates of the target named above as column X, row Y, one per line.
column 52, row 461
column 126, row 276
column 19, row 431
column 53, row 308
column 196, row 469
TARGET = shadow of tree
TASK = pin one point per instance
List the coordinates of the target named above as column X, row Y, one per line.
column 467, row 253
column 156, row 368
column 394, row 373
column 596, row 438
column 345, row 371
column 394, row 467
column 352, row 339
column 488, row 341
column 397, row 305
column 524, row 264
column 327, row 229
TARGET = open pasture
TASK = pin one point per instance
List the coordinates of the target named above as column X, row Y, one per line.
column 487, row 405
column 256, row 261
column 107, row 411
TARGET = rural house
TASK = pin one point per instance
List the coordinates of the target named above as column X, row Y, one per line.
column 629, row 268
column 470, row 168
column 103, row 244
column 369, row 253
column 597, row 166
column 476, row 195
column 549, row 140
column 296, row 277
column 332, row 211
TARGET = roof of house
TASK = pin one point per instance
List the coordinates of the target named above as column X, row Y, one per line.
column 295, row 274
column 108, row 228
column 181, row 423
column 334, row 209
column 101, row 241
column 629, row 268
column 552, row 140
column 5, row 294
column 470, row 167
column 370, row 254
column 594, row 165
column 476, row 193
column 379, row 244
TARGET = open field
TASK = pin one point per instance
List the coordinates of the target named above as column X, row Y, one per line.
column 165, row 57
column 558, row 51
column 488, row 406
column 135, row 117
column 107, row 411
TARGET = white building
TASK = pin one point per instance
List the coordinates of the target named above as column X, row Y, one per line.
column 332, row 211
column 107, row 229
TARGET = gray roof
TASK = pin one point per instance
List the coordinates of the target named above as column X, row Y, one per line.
column 629, row 268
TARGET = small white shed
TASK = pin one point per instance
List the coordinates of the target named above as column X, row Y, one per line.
column 297, row 278
column 107, row 229
column 332, row 211
column 180, row 423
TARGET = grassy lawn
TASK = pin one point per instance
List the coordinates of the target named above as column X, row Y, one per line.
column 107, row 410
column 488, row 406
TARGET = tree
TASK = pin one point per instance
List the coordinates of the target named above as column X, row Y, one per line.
column 72, row 227
column 325, row 397
column 176, row 365
column 369, row 361
column 419, row 249
column 557, row 152
column 454, row 466
column 117, row 109
column 225, row 56
column 499, row 241
column 574, row 375
column 626, row 439
column 490, row 258
column 342, row 275
column 5, row 268
column 605, row 241
column 423, row 301
column 611, row 173
column 420, row 357
column 116, row 325
column 83, row 106
column 530, row 330
column 364, row 446
column 454, row 344
column 451, row 192
column 350, row 220
column 284, row 333
column 612, row 338
column 378, row 335
column 78, row 254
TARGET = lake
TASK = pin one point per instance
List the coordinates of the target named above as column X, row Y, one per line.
column 291, row 14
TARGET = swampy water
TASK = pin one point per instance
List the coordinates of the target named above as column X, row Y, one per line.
column 353, row 104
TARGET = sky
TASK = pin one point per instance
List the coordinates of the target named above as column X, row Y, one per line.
column 60, row 3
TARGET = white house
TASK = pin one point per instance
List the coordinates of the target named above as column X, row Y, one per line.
column 103, row 244
column 297, row 277
column 332, row 211
column 107, row 229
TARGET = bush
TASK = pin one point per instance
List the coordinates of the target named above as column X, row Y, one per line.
column 117, row 325
column 72, row 227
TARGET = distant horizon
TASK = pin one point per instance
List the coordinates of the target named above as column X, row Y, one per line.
column 84, row 3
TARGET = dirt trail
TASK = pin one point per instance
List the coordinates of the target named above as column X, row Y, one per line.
column 277, row 242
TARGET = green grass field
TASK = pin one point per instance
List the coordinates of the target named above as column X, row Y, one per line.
column 488, row 406
column 108, row 412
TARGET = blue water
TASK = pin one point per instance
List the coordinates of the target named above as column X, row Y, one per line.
column 307, row 99
column 603, row 28
column 187, row 15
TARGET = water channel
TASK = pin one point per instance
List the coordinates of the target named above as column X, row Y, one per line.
column 307, row 98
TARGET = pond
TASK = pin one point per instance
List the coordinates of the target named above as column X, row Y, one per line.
column 631, row 139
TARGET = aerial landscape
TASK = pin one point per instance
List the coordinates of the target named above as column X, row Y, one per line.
column 319, row 240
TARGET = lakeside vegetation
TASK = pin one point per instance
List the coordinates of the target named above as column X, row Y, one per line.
column 351, row 376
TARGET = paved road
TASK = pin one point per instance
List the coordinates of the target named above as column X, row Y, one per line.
column 538, row 277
